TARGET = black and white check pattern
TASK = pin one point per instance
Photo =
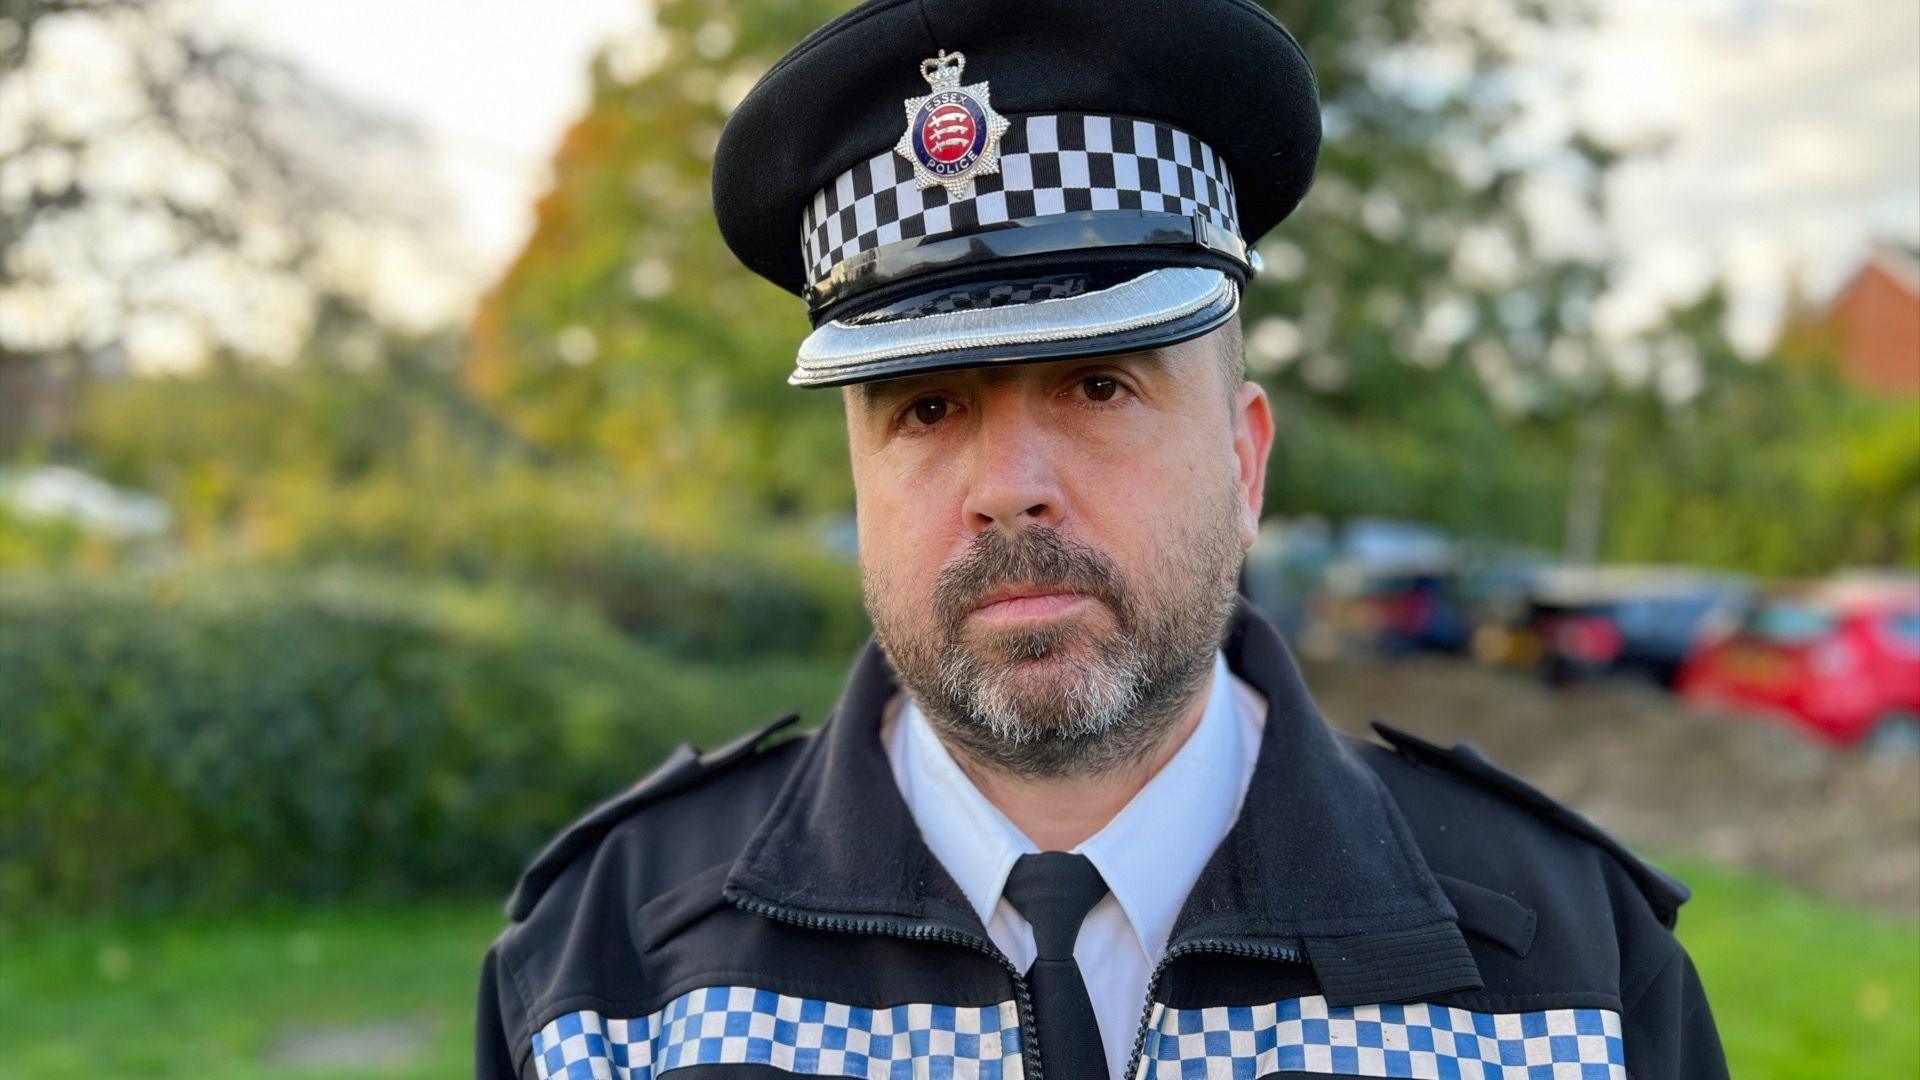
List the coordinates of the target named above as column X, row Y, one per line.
column 1049, row 164
column 999, row 294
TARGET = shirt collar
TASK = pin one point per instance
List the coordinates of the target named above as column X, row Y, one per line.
column 1150, row 853
column 1154, row 848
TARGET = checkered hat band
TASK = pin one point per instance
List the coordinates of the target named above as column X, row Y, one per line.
column 1049, row 164
column 745, row 1025
column 1306, row 1035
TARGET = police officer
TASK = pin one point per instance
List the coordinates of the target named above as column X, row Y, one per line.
column 1075, row 815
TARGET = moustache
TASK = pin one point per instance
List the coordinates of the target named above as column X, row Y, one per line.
column 1036, row 555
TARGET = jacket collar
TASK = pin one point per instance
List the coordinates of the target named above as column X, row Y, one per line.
column 1319, row 865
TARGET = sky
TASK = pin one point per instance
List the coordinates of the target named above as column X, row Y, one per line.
column 1789, row 130
column 490, row 84
column 1794, row 142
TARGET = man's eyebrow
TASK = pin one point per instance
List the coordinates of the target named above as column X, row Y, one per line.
column 1153, row 359
column 869, row 394
column 1157, row 363
column 881, row 391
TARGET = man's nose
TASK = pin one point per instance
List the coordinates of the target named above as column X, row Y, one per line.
column 1013, row 481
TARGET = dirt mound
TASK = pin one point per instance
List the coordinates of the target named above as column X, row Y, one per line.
column 1663, row 778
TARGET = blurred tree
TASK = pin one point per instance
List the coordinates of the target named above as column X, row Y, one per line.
column 170, row 198
column 1424, row 340
column 1779, row 467
column 626, row 328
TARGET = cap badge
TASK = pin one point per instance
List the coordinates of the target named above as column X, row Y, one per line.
column 953, row 134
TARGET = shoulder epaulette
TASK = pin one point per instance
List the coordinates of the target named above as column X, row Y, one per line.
column 682, row 769
column 1663, row 891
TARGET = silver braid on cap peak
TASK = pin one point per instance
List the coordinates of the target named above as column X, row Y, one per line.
column 1049, row 164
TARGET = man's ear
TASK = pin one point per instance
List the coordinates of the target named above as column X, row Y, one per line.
column 1252, row 442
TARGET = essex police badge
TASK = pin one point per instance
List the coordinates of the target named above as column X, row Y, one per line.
column 953, row 134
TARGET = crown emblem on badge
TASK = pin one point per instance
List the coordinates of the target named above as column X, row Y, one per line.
column 953, row 134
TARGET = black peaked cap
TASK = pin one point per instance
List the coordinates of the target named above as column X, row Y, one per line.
column 1224, row 71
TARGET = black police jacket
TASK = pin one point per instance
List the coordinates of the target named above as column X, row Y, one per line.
column 769, row 909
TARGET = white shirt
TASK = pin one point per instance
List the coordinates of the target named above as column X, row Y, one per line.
column 1150, row 853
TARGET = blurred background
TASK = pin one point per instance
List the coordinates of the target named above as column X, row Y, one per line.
column 393, row 462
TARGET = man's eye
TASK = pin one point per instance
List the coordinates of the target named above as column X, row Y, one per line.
column 929, row 411
column 1100, row 387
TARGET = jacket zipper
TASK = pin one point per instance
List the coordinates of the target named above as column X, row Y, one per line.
column 1289, row 953
column 1023, row 1001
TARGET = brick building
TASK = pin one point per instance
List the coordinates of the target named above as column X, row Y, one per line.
column 1871, row 327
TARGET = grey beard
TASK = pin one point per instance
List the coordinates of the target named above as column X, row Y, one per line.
column 1131, row 685
column 1118, row 708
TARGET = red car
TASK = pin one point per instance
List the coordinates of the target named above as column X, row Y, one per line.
column 1841, row 658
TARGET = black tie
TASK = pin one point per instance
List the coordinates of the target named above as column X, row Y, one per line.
column 1054, row 890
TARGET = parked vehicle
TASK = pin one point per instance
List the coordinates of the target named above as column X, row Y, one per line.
column 1621, row 620
column 1385, row 542
column 1415, row 610
column 1436, row 599
column 60, row 492
column 1841, row 658
column 1379, row 586
column 1283, row 571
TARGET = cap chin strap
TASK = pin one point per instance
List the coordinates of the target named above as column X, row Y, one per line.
column 1083, row 231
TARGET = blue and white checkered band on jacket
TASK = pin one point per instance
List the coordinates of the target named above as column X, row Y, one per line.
column 1049, row 164
column 1306, row 1035
column 743, row 1025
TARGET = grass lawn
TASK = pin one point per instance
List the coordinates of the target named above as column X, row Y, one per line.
column 1801, row 989
column 267, row 994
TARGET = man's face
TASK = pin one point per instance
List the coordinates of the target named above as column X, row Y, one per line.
column 1050, row 550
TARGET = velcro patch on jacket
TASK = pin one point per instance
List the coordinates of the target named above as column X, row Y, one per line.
column 1306, row 1035
column 745, row 1025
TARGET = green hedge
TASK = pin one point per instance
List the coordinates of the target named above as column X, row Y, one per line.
column 397, row 468
column 720, row 605
column 705, row 590
column 744, row 596
column 207, row 737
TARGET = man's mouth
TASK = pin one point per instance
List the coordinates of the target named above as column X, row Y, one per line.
column 1005, row 604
